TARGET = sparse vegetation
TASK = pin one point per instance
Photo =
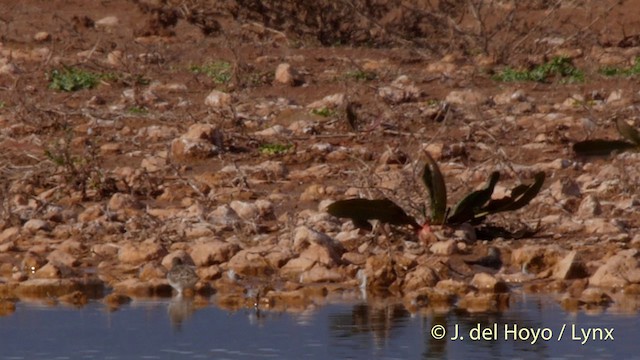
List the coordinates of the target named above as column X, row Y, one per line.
column 72, row 79
column 324, row 112
column 138, row 110
column 621, row 71
column 361, row 75
column 559, row 67
column 274, row 149
column 473, row 208
column 219, row 71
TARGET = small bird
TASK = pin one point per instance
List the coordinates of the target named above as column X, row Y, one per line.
column 181, row 276
column 492, row 260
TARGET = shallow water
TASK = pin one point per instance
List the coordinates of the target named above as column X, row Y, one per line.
column 174, row 330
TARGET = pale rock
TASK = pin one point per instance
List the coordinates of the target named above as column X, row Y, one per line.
column 212, row 252
column 42, row 36
column 601, row 226
column 275, row 130
column 303, row 237
column 224, row 218
column 401, row 90
column 486, row 282
column 157, row 132
column 53, row 271
column 115, row 58
column 167, row 261
column 319, row 171
column 200, row 141
column 61, row 257
column 481, row 302
column 614, row 272
column 153, row 163
column 569, row 268
column 250, row 262
column 320, row 274
column 139, row 253
column 354, row 258
column 35, row 225
column 330, row 101
column 208, row 273
column 296, row 266
column 286, row 74
column 535, row 258
column 321, row 254
column 509, row 97
column 9, row 234
column 217, row 99
column 615, row 96
column 9, row 69
column 107, row 22
column 108, row 250
column 121, row 201
column 447, row 247
column 594, row 296
column 421, row 276
column 152, row 271
column 466, row 97
column 441, row 67
column 246, row 210
column 589, row 207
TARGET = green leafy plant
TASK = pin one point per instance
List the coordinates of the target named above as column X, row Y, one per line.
column 219, row 71
column 361, row 75
column 324, row 112
column 599, row 147
column 559, row 66
column 72, row 79
column 274, row 149
column 473, row 208
column 138, row 110
column 619, row 71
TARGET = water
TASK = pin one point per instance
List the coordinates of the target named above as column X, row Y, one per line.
column 175, row 330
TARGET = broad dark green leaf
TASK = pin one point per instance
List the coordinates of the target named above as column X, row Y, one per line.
column 471, row 204
column 520, row 196
column 600, row 147
column 434, row 181
column 360, row 210
column 628, row 132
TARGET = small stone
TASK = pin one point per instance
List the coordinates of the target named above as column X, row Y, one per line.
column 35, row 225
column 139, row 253
column 320, row 274
column 285, row 74
column 212, row 252
column 486, row 282
column 589, row 207
column 569, row 268
column 217, row 99
column 466, row 97
column 109, row 21
column 447, row 247
column 42, row 36
column 614, row 272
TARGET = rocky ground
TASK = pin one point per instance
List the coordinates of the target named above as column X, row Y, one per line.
column 134, row 132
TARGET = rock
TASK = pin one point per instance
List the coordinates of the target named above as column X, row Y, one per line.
column 569, row 268
column 593, row 296
column 447, row 247
column 123, row 202
column 285, row 74
column 76, row 298
column 61, row 257
column 589, row 207
column 379, row 272
column 217, row 99
column 615, row 271
column 250, row 262
column 402, row 90
column 107, row 22
column 486, row 282
column 601, row 226
column 137, row 288
column 9, row 234
column 564, row 188
column 304, row 237
column 330, row 102
column 484, row 301
column 46, row 288
column 294, row 267
column 535, row 258
column 139, row 253
column 421, row 276
column 224, row 218
column 35, row 225
column 42, row 36
column 213, row 252
column 53, row 271
column 152, row 271
column 321, row 254
column 199, row 142
column 115, row 300
column 466, row 97
column 320, row 274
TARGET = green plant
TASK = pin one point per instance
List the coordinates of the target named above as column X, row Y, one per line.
column 138, row 110
column 597, row 147
column 473, row 208
column 219, row 71
column 274, row 149
column 2, row 104
column 72, row 79
column 324, row 112
column 618, row 71
column 361, row 75
column 559, row 66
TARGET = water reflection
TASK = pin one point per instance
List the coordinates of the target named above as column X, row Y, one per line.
column 186, row 328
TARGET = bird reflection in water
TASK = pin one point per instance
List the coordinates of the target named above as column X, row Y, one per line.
column 180, row 309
